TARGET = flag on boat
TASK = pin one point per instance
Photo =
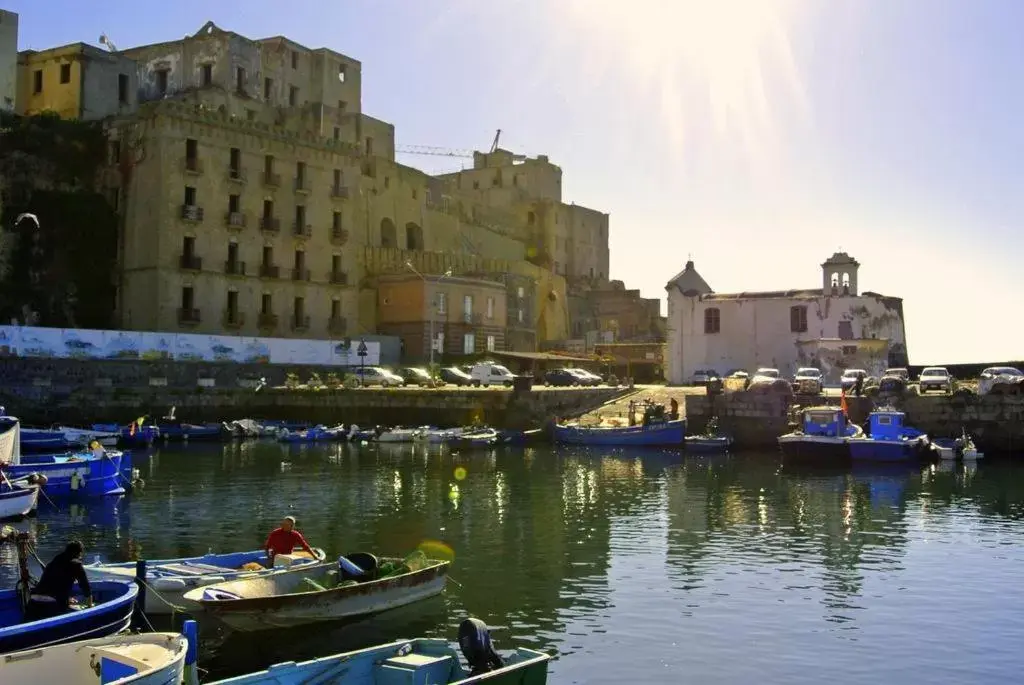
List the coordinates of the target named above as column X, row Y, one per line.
column 842, row 402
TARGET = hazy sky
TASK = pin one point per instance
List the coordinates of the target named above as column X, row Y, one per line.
column 758, row 136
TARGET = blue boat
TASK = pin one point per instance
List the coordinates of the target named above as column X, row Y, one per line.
column 421, row 660
column 518, row 437
column 183, row 432
column 111, row 613
column 890, row 439
column 824, row 436
column 41, row 440
column 131, row 435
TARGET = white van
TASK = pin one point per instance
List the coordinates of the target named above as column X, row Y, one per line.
column 492, row 374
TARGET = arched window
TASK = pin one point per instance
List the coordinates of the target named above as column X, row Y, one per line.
column 413, row 236
column 388, row 234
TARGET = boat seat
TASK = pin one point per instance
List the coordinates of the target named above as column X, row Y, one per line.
column 193, row 569
column 414, row 669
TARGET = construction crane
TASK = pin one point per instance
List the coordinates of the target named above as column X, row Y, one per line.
column 448, row 152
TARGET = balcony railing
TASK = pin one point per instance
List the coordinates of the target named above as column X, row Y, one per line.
column 300, row 323
column 266, row 320
column 271, row 179
column 337, row 325
column 233, row 319
column 193, row 165
column 189, row 262
column 300, row 274
column 269, row 224
column 472, row 318
column 270, row 271
column 302, row 230
column 236, row 174
column 338, row 277
column 188, row 316
column 301, row 185
column 234, row 267
column 192, row 213
column 235, row 220
column 339, row 236
column 340, row 192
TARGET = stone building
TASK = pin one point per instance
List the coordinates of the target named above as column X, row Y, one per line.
column 833, row 327
column 8, row 60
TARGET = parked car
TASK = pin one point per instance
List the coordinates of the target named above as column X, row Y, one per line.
column 807, row 381
column 935, row 378
column 703, row 376
column 898, row 373
column 894, row 380
column 456, row 376
column 850, row 376
column 492, row 374
column 376, row 375
column 585, row 377
column 1001, row 379
column 414, row 375
column 765, row 375
column 561, row 378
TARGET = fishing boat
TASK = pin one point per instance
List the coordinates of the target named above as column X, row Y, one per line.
column 172, row 578
column 184, row 432
column 519, row 437
column 477, row 437
column 45, row 440
column 824, row 434
column 437, row 436
column 87, row 436
column 655, row 430
column 890, row 439
column 17, row 500
column 398, row 434
column 711, row 441
column 132, row 435
column 359, row 585
column 951, row 449
column 357, row 434
column 421, row 660
column 143, row 659
column 110, row 614
column 94, row 473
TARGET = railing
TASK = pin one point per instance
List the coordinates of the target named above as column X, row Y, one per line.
column 265, row 320
column 190, row 262
column 269, row 224
column 338, row 277
column 192, row 213
column 472, row 318
column 193, row 165
column 235, row 220
column 236, row 174
column 340, row 192
column 300, row 323
column 339, row 236
column 337, row 325
column 188, row 316
column 233, row 319
column 301, row 185
column 269, row 271
column 302, row 230
column 300, row 274
column 233, row 267
column 271, row 180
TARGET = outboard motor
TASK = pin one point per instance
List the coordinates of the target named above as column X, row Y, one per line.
column 475, row 642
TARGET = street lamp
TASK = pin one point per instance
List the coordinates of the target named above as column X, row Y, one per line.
column 433, row 307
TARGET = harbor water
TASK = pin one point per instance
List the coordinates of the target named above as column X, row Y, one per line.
column 629, row 566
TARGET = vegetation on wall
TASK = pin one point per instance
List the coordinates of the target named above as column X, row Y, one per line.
column 64, row 270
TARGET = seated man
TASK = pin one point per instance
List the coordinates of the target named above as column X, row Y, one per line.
column 52, row 594
column 284, row 539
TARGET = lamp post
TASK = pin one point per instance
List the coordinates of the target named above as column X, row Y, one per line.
column 433, row 307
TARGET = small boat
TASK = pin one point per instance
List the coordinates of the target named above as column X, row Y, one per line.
column 85, row 436
column 421, row 660
column 357, row 434
column 172, row 578
column 478, row 437
column 359, row 585
column 437, row 436
column 517, row 437
column 18, row 500
column 132, row 435
column 143, row 659
column 242, row 429
column 951, row 449
column 709, row 442
column 184, row 432
column 890, row 440
column 824, row 434
column 398, row 434
column 655, row 430
column 44, row 440
column 110, row 614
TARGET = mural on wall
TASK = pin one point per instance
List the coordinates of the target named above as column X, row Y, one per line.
column 67, row 343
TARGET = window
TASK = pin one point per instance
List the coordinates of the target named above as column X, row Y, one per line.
column 161, row 81
column 520, row 292
column 188, row 298
column 268, row 165
column 712, row 320
column 234, row 202
column 235, row 162
column 300, row 309
column 232, row 253
column 300, row 218
column 37, row 81
column 293, row 95
column 335, row 308
column 341, row 73
column 268, row 88
column 300, row 260
column 300, row 174
column 190, row 196
column 191, row 150
column 65, row 73
column 336, row 264
column 336, row 221
column 122, row 88
column 207, row 74
column 387, row 182
column 490, row 307
column 337, row 133
column 468, row 343
column 846, row 330
column 295, row 59
column 798, row 319
column 520, row 315
column 490, row 343
column 439, row 342
column 369, row 146
column 337, row 180
column 188, row 246
column 232, row 303
column 849, row 350
column 442, row 303
column 240, row 79
column 268, row 255
column 342, row 106
column 268, row 209
column 467, row 307
column 266, row 304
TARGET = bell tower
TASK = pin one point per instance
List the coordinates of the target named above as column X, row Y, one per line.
column 839, row 275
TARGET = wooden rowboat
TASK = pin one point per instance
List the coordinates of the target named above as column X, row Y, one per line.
column 311, row 595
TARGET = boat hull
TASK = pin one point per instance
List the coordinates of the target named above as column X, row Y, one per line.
column 109, row 616
column 668, row 434
column 707, row 445
column 18, row 502
column 69, row 476
column 868, row 449
column 815, row 447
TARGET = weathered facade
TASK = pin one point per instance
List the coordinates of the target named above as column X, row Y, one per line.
column 833, row 327
column 8, row 60
column 76, row 81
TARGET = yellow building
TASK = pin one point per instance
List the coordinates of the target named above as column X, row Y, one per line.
column 76, row 81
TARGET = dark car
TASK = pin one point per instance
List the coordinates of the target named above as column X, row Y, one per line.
column 561, row 378
column 413, row 375
column 456, row 376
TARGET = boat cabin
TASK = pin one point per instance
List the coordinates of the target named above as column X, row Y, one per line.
column 889, row 424
column 824, row 421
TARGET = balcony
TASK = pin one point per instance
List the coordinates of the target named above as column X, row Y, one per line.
column 338, row 278
column 339, row 236
column 233, row 319
column 301, row 185
column 188, row 316
column 233, row 267
column 235, row 220
column 270, row 271
column 269, row 224
column 189, row 262
column 236, row 175
column 193, row 166
column 300, row 323
column 271, row 180
column 267, row 321
column 337, row 325
column 472, row 318
column 192, row 213
column 340, row 192
column 302, row 230
column 300, row 274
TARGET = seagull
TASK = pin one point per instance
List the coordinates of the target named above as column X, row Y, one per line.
column 27, row 215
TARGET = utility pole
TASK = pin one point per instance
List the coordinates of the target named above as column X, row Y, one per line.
column 433, row 308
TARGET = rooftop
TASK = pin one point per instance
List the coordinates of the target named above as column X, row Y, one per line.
column 689, row 282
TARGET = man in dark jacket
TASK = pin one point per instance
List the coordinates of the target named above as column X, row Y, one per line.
column 52, row 594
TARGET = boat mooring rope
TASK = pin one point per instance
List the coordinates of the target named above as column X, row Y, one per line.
column 149, row 588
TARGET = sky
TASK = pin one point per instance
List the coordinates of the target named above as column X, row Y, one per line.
column 756, row 137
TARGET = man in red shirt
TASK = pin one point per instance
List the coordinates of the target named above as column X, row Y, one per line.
column 284, row 539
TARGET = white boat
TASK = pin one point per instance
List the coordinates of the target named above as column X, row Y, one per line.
column 143, row 659
column 85, row 436
column 962, row 448
column 171, row 579
column 20, row 500
column 398, row 435
column 438, row 435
